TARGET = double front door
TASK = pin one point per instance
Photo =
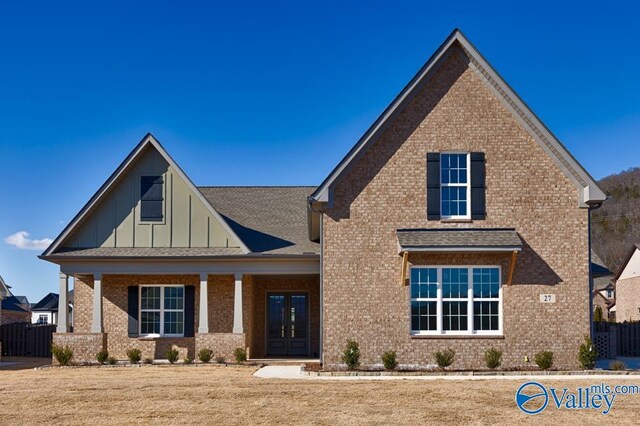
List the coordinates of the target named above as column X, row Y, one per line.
column 287, row 324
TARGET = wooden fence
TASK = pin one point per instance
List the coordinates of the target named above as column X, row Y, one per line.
column 617, row 339
column 25, row 339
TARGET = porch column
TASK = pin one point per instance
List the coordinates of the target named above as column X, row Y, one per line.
column 96, row 326
column 203, row 323
column 237, row 306
column 63, row 305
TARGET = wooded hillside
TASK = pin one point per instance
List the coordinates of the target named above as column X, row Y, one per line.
column 616, row 225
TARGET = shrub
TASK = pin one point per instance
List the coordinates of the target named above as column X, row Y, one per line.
column 544, row 359
column 134, row 355
column 587, row 354
column 240, row 354
column 444, row 358
column 493, row 358
column 112, row 360
column 597, row 314
column 617, row 366
column 205, row 355
column 102, row 356
column 220, row 360
column 62, row 354
column 351, row 354
column 187, row 361
column 147, row 361
column 172, row 355
column 389, row 360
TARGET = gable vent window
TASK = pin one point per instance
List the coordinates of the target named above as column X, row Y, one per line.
column 151, row 199
column 456, row 185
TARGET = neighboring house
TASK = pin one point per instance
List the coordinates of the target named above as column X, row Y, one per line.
column 457, row 221
column 46, row 310
column 627, row 282
column 4, row 289
column 603, row 288
column 13, row 312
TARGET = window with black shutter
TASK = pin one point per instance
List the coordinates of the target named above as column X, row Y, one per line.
column 151, row 199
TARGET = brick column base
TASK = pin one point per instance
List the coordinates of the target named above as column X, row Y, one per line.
column 222, row 344
column 85, row 345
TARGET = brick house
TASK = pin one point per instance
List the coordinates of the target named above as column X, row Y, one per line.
column 604, row 294
column 627, row 286
column 457, row 220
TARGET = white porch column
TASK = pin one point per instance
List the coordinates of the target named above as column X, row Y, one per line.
column 96, row 326
column 63, row 305
column 203, row 323
column 237, row 306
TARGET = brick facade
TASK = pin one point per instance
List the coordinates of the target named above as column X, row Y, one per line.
column 628, row 299
column 85, row 345
column 386, row 190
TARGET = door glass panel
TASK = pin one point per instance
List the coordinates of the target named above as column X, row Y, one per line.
column 276, row 316
column 298, row 316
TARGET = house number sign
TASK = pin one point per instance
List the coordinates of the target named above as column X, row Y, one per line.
column 547, row 298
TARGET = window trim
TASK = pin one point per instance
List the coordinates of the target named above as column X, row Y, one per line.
column 467, row 185
column 469, row 299
column 138, row 214
column 161, row 310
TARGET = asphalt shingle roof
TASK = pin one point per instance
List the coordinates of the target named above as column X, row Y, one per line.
column 268, row 219
column 160, row 252
column 48, row 303
column 458, row 238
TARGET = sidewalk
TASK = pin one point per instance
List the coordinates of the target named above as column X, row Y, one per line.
column 296, row 373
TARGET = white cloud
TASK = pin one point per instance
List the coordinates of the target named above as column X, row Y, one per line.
column 22, row 241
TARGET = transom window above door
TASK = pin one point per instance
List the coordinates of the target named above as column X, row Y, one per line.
column 454, row 185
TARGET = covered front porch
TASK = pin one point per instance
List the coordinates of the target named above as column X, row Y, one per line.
column 270, row 309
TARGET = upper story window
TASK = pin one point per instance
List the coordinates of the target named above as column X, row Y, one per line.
column 609, row 294
column 455, row 185
column 456, row 300
column 151, row 198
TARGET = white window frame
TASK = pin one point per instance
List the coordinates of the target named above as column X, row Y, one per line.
column 457, row 185
column 469, row 299
column 162, row 310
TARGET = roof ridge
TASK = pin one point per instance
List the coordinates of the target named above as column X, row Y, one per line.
column 256, row 186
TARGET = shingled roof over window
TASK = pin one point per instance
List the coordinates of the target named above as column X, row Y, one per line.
column 472, row 239
column 268, row 219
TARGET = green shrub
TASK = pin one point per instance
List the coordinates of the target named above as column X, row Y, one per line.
column 493, row 358
column 544, row 359
column 587, row 354
column 205, row 355
column 617, row 366
column 134, row 355
column 62, row 354
column 147, row 361
column 351, row 355
column 240, row 354
column 597, row 314
column 389, row 360
column 102, row 356
column 172, row 355
column 112, row 360
column 220, row 360
column 444, row 358
column 187, row 361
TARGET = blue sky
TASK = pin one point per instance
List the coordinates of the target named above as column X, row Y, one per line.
column 271, row 93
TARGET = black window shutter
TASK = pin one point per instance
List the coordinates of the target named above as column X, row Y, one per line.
column 478, row 185
column 151, row 195
column 189, row 305
column 132, row 310
column 433, row 186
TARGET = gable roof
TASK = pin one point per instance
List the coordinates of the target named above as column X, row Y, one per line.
column 626, row 260
column 598, row 268
column 148, row 140
column 47, row 303
column 23, row 300
column 12, row 303
column 269, row 219
column 589, row 191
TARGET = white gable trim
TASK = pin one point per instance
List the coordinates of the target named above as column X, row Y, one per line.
column 630, row 268
column 149, row 139
column 588, row 190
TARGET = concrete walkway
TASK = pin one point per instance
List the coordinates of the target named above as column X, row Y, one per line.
column 295, row 372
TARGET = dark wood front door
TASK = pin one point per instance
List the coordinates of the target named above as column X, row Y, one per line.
column 287, row 324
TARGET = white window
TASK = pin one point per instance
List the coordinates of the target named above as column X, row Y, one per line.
column 609, row 294
column 43, row 319
column 454, row 185
column 456, row 300
column 162, row 310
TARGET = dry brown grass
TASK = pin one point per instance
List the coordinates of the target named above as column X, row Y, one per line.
column 230, row 395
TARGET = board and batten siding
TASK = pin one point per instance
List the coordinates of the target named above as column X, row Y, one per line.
column 187, row 222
